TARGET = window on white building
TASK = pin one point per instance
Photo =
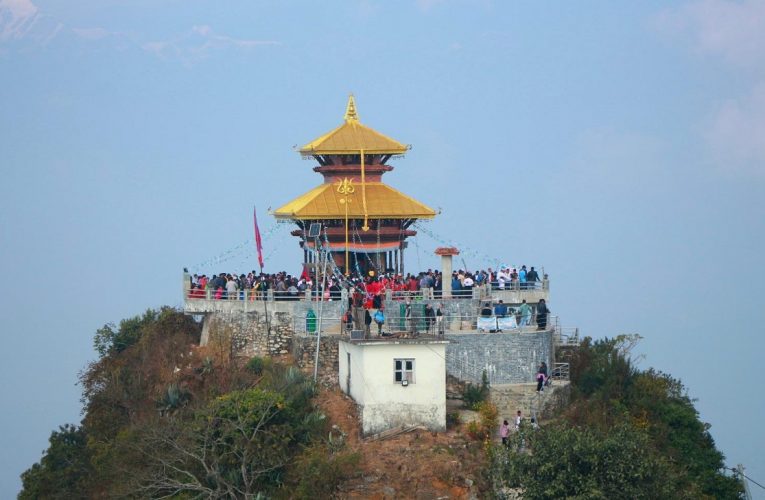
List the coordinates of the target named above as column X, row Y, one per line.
column 403, row 369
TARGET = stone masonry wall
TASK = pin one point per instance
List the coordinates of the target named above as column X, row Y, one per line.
column 304, row 352
column 249, row 337
column 508, row 358
column 248, row 333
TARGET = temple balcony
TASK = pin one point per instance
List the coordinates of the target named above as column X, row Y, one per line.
column 198, row 301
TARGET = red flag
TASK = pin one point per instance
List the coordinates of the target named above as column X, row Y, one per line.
column 258, row 241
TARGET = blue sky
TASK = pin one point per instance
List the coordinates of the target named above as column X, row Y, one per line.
column 619, row 146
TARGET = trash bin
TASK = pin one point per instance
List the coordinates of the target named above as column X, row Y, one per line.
column 418, row 314
column 310, row 321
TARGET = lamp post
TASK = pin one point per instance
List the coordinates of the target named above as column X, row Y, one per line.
column 345, row 188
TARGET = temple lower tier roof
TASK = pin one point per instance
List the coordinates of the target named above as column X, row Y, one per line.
column 382, row 202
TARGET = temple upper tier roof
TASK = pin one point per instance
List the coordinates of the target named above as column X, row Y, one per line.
column 383, row 202
column 351, row 137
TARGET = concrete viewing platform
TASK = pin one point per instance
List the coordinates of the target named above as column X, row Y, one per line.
column 507, row 351
column 393, row 340
column 204, row 301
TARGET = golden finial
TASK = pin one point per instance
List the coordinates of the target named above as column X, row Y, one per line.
column 350, row 110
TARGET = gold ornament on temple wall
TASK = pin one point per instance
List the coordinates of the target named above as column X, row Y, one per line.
column 345, row 187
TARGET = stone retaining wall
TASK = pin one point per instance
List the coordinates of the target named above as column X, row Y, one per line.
column 304, row 352
column 508, row 358
column 248, row 333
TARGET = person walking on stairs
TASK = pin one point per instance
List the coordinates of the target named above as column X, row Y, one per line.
column 542, row 312
column 541, row 377
column 504, row 432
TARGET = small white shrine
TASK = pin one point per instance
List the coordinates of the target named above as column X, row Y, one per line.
column 395, row 382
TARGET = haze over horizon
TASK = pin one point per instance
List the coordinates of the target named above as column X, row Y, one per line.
column 621, row 147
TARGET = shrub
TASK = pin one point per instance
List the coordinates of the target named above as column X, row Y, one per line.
column 475, row 394
column 489, row 415
column 474, row 430
column 318, row 471
column 174, row 398
column 256, row 365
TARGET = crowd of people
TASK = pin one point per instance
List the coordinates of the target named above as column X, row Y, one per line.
column 521, row 316
column 366, row 294
column 255, row 286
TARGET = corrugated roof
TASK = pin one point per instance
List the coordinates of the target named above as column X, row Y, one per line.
column 383, row 202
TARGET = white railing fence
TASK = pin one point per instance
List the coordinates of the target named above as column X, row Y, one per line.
column 481, row 292
column 396, row 322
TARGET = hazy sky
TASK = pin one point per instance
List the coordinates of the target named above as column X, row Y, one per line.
column 621, row 146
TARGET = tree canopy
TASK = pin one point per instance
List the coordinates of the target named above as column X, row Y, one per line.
column 628, row 433
column 166, row 418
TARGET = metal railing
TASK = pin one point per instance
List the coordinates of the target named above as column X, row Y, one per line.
column 560, row 371
column 566, row 335
column 522, row 286
column 471, row 370
column 306, row 325
column 396, row 322
column 257, row 295
column 481, row 292
column 420, row 294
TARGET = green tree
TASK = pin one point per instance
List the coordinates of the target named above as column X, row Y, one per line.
column 609, row 391
column 660, row 404
column 568, row 462
column 238, row 446
column 133, row 380
column 110, row 339
column 138, row 363
column 64, row 470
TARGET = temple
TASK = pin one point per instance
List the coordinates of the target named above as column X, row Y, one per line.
column 363, row 221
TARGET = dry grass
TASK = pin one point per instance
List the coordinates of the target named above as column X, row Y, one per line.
column 420, row 464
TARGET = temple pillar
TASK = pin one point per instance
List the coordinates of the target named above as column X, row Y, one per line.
column 401, row 260
column 446, row 254
column 446, row 276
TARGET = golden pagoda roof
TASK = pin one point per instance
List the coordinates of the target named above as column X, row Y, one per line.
column 383, row 202
column 351, row 137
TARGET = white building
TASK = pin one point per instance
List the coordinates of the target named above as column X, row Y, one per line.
column 395, row 382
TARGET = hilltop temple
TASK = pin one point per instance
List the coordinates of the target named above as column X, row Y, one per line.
column 364, row 222
column 398, row 377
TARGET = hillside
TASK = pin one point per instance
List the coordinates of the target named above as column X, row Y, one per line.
column 418, row 464
column 165, row 418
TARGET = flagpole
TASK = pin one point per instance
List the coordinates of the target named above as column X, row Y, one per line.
column 259, row 246
column 321, row 308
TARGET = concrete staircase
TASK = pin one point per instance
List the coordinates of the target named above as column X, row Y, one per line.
column 509, row 398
